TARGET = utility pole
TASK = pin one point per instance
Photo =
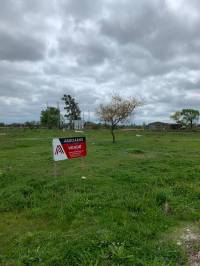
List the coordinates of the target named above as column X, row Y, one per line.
column 83, row 116
column 83, row 119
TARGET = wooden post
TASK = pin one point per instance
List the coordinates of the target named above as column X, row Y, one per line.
column 82, row 164
column 55, row 169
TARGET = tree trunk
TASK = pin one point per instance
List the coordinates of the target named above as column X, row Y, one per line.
column 191, row 124
column 71, row 124
column 113, row 134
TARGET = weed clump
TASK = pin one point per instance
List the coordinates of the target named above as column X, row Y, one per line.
column 135, row 151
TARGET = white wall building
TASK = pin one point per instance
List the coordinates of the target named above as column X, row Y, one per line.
column 78, row 124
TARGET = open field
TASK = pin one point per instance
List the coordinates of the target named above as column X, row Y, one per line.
column 139, row 203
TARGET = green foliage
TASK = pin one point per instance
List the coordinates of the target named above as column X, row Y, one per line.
column 190, row 116
column 72, row 109
column 113, row 217
column 50, row 117
column 186, row 117
column 31, row 124
column 176, row 117
column 135, row 151
column 161, row 197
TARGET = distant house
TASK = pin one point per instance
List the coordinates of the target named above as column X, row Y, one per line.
column 158, row 126
column 74, row 125
column 163, row 126
column 78, row 124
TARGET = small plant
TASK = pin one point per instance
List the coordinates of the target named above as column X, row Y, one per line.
column 161, row 198
column 118, row 252
column 135, row 151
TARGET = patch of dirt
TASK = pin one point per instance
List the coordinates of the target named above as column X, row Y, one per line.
column 140, row 156
column 189, row 238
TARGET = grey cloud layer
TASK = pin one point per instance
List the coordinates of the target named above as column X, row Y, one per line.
column 148, row 49
column 20, row 47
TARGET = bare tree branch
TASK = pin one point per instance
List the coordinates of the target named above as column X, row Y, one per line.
column 117, row 111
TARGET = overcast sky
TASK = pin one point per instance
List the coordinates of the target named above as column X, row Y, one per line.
column 149, row 49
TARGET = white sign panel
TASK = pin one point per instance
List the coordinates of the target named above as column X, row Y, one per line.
column 58, row 151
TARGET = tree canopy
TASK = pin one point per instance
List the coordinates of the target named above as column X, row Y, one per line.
column 117, row 111
column 190, row 117
column 50, row 117
column 73, row 111
column 176, row 117
column 186, row 117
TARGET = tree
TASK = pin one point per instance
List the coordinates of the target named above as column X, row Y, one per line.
column 50, row 117
column 31, row 124
column 186, row 117
column 72, row 109
column 117, row 111
column 176, row 117
column 190, row 117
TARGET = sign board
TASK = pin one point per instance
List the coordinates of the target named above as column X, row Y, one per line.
column 69, row 148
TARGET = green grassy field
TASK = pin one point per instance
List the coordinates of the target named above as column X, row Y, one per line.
column 139, row 198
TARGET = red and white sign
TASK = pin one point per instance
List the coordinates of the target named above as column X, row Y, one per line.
column 69, row 148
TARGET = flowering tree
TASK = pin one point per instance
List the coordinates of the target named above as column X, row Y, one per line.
column 117, row 111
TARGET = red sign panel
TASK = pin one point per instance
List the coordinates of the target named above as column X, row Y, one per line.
column 69, row 148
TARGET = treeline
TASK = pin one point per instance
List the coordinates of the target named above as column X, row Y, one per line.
column 112, row 115
column 186, row 118
column 28, row 124
column 87, row 125
column 51, row 117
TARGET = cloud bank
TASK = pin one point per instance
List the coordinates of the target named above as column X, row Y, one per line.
column 147, row 49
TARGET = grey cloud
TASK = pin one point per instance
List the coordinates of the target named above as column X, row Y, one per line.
column 81, row 10
column 85, row 44
column 91, row 53
column 10, row 12
column 155, row 28
column 20, row 47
